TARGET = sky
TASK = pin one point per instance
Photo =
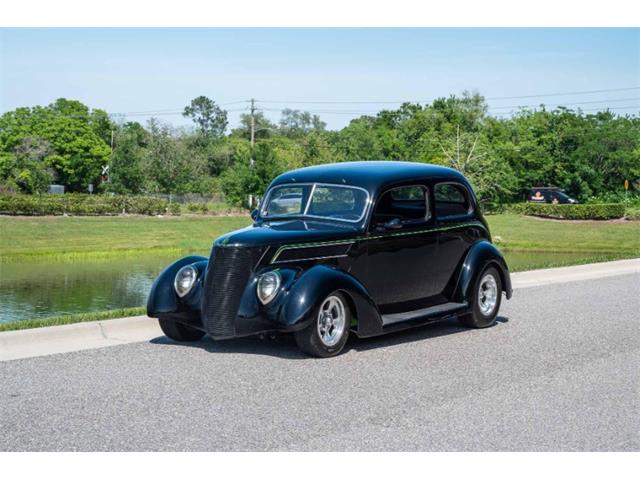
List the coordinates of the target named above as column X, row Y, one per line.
column 141, row 70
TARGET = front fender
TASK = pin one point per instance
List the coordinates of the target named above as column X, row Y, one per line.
column 314, row 285
column 163, row 299
column 481, row 255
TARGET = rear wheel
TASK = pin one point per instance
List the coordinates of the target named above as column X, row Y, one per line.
column 485, row 300
column 179, row 331
column 327, row 335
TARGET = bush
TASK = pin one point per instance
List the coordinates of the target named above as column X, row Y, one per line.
column 174, row 209
column 632, row 213
column 197, row 207
column 603, row 211
column 80, row 204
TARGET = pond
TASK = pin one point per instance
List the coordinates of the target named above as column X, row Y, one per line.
column 30, row 289
column 33, row 289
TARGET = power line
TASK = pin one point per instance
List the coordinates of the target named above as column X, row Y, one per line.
column 364, row 102
column 584, row 92
column 564, row 104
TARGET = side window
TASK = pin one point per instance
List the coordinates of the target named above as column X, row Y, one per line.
column 451, row 200
column 408, row 204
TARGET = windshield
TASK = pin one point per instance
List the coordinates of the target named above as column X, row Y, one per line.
column 335, row 202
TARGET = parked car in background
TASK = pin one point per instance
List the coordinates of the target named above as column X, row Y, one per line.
column 549, row 195
column 358, row 247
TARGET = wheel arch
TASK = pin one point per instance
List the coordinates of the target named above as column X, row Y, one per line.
column 481, row 255
column 315, row 284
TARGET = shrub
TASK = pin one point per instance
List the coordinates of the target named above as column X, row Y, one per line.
column 632, row 213
column 174, row 209
column 80, row 204
column 192, row 207
column 603, row 211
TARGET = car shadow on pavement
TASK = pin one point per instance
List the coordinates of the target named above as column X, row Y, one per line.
column 284, row 345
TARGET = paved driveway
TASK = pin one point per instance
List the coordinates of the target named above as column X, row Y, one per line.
column 560, row 371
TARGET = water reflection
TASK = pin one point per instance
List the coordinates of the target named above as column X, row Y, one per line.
column 33, row 290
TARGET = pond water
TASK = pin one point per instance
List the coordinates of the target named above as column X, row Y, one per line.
column 31, row 289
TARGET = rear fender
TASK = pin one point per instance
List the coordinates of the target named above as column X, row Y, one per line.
column 481, row 255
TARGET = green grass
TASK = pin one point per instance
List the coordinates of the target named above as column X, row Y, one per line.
column 77, row 237
column 75, row 318
column 515, row 232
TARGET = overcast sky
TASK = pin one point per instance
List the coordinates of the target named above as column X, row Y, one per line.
column 142, row 70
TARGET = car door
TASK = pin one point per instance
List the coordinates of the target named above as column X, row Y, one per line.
column 400, row 256
column 454, row 214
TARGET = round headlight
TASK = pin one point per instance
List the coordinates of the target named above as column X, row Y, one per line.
column 185, row 279
column 268, row 285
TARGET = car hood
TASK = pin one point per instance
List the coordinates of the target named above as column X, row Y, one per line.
column 285, row 232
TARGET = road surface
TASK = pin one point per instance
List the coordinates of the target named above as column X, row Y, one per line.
column 559, row 371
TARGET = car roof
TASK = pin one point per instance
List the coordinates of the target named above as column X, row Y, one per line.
column 371, row 175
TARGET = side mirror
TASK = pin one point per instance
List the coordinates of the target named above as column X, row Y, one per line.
column 254, row 214
column 393, row 224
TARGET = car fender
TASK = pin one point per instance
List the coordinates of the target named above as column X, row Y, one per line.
column 481, row 255
column 314, row 285
column 163, row 298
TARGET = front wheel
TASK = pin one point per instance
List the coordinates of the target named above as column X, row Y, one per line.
column 179, row 331
column 327, row 335
column 485, row 300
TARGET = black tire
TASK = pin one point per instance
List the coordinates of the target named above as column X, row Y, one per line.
column 179, row 331
column 477, row 318
column 309, row 339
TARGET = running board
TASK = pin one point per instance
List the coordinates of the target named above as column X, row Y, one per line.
column 435, row 311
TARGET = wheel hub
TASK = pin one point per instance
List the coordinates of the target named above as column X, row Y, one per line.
column 488, row 294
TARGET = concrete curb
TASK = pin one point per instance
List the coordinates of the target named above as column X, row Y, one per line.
column 547, row 276
column 88, row 335
column 36, row 342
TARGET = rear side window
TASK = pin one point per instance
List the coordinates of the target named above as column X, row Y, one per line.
column 408, row 204
column 451, row 200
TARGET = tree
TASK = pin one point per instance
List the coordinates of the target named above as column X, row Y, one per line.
column 245, row 179
column 25, row 169
column 75, row 134
column 169, row 165
column 264, row 128
column 210, row 119
column 295, row 123
column 126, row 174
column 490, row 176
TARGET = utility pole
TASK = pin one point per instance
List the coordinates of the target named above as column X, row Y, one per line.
column 253, row 126
column 253, row 142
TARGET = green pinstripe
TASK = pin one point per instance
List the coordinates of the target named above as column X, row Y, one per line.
column 373, row 237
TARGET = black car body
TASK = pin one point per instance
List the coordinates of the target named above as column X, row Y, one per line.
column 387, row 245
column 549, row 195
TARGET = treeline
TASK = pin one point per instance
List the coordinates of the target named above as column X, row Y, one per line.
column 66, row 142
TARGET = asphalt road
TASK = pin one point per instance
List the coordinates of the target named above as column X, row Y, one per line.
column 560, row 371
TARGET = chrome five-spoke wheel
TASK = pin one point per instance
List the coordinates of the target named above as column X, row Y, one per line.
column 331, row 321
column 328, row 329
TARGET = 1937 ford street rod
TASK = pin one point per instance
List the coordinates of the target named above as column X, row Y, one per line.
column 361, row 247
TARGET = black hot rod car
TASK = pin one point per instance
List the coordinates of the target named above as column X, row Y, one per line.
column 362, row 247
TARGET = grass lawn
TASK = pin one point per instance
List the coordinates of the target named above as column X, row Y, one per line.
column 25, row 237
column 516, row 232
